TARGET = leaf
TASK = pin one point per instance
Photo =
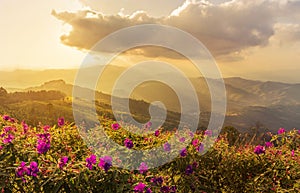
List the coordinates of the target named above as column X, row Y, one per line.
column 58, row 186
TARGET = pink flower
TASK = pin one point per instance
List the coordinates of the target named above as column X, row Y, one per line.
column 195, row 142
column 21, row 170
column 6, row 117
column 143, row 168
column 182, row 139
column 157, row 132
column 33, row 169
column 167, row 147
column 268, row 144
column 281, row 131
column 259, row 149
column 90, row 161
column 43, row 143
column 63, row 161
column 105, row 163
column 46, row 128
column 25, row 127
column 61, row 122
column 140, row 187
column 208, row 132
column 128, row 143
column 115, row 126
column 148, row 124
column 293, row 153
column 8, row 139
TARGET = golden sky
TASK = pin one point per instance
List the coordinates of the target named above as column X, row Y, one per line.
column 257, row 39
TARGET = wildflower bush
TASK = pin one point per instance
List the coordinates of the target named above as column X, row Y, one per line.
column 56, row 159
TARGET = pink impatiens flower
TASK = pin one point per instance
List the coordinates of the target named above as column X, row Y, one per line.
column 128, row 143
column 60, row 121
column 281, row 131
column 143, row 168
column 293, row 153
column 33, row 169
column 115, row 126
column 259, row 149
column 90, row 161
column 268, row 144
column 63, row 161
column 140, row 187
column 105, row 163
column 167, row 146
column 195, row 142
column 208, row 132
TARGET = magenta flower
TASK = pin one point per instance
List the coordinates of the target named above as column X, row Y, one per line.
column 90, row 161
column 63, row 161
column 183, row 152
column 42, row 147
column 8, row 129
column 189, row 170
column 148, row 124
column 259, row 149
column 167, row 147
column 1, row 147
column 191, row 134
column 115, row 126
column 105, row 163
column 60, row 121
column 140, row 187
column 21, row 170
column 281, row 131
column 43, row 143
column 182, row 139
column 128, row 143
column 268, row 144
column 6, row 117
column 8, row 139
column 208, row 132
column 25, row 127
column 143, row 168
column 293, row 153
column 46, row 128
column 157, row 132
column 195, row 142
column 33, row 169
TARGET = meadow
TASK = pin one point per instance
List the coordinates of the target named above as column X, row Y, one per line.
column 55, row 158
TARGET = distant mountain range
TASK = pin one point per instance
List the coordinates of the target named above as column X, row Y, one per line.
column 249, row 103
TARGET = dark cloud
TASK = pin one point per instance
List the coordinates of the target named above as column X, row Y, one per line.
column 224, row 29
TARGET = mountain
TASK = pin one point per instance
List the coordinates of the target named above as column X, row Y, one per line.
column 273, row 104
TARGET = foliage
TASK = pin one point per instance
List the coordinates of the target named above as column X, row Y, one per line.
column 68, row 165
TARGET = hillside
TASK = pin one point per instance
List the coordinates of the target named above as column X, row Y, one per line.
column 248, row 101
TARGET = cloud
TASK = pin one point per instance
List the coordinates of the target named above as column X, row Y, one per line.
column 224, row 29
column 286, row 34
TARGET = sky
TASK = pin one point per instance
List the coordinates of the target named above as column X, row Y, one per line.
column 257, row 39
